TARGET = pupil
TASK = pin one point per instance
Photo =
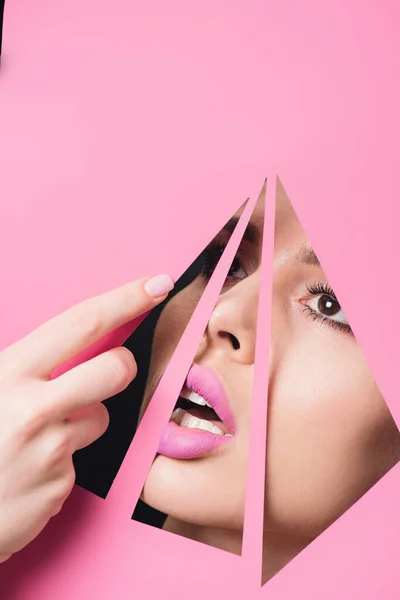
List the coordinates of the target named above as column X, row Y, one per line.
column 235, row 266
column 328, row 306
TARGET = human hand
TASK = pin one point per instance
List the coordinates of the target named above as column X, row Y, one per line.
column 44, row 421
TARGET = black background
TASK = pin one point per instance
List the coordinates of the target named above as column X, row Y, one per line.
column 97, row 465
column 2, row 2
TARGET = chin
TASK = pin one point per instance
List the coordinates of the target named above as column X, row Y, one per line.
column 165, row 491
column 190, row 495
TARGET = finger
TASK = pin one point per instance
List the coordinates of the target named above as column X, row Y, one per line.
column 88, row 427
column 66, row 335
column 93, row 381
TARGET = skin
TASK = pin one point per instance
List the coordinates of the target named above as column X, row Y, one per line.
column 224, row 470
column 330, row 434
column 43, row 422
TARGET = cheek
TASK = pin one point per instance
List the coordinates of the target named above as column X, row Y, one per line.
column 324, row 411
column 172, row 324
column 326, row 394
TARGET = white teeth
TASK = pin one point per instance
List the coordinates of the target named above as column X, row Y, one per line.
column 194, row 423
column 190, row 422
column 195, row 398
column 184, row 419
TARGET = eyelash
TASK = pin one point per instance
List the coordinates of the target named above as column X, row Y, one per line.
column 213, row 253
column 211, row 256
column 324, row 289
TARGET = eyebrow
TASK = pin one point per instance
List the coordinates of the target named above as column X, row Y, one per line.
column 307, row 256
column 251, row 234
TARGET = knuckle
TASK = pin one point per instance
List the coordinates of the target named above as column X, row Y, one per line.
column 56, row 450
column 131, row 297
column 85, row 321
column 61, row 490
column 26, row 412
column 134, row 301
column 30, row 417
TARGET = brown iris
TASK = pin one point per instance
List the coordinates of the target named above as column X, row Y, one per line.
column 328, row 306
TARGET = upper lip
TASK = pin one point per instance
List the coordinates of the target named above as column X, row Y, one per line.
column 204, row 382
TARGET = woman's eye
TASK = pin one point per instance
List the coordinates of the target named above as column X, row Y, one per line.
column 211, row 257
column 236, row 271
column 327, row 307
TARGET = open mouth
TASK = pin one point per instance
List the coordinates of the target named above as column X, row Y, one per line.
column 201, row 420
column 194, row 412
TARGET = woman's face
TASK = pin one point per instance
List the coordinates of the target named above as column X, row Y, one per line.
column 330, row 435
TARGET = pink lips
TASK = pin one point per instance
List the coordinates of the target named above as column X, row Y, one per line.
column 183, row 443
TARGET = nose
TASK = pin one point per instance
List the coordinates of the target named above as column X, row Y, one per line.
column 232, row 325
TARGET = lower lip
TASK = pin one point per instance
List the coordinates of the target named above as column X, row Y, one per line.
column 185, row 443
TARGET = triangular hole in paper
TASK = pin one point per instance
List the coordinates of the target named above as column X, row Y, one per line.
column 96, row 465
column 197, row 483
column 330, row 435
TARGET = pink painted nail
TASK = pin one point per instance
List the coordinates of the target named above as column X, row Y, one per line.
column 158, row 286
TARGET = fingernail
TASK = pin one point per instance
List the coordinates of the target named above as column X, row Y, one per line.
column 158, row 286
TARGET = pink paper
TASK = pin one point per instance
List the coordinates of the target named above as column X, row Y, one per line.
column 129, row 134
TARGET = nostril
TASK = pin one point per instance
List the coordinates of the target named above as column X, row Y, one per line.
column 233, row 340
